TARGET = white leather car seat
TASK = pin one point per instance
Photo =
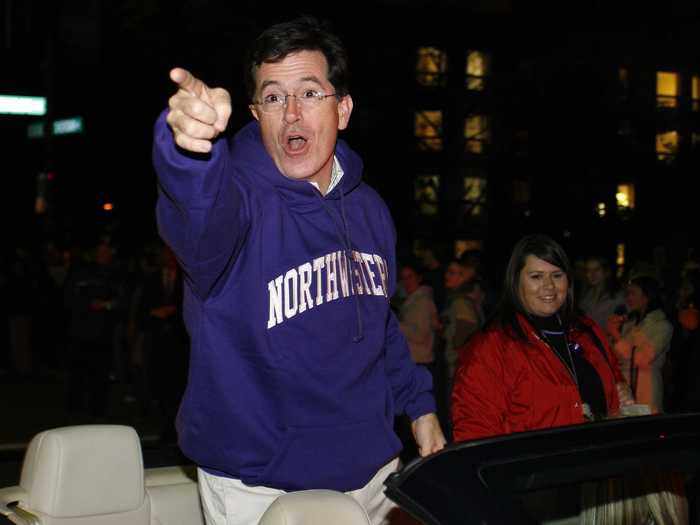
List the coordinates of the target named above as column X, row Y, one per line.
column 87, row 475
column 93, row 475
column 315, row 507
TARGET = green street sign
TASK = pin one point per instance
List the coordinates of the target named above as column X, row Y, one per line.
column 21, row 105
column 66, row 126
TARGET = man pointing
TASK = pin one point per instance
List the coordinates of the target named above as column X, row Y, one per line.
column 298, row 367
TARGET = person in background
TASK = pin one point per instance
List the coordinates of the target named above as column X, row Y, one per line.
column 461, row 316
column 685, row 345
column 418, row 318
column 641, row 340
column 601, row 295
column 434, row 271
column 418, row 322
column 298, row 367
column 165, row 342
column 537, row 363
column 96, row 298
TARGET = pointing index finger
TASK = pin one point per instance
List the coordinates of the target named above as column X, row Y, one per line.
column 184, row 79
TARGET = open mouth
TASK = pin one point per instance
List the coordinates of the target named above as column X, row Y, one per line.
column 295, row 143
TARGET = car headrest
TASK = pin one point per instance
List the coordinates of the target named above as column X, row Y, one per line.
column 84, row 470
column 315, row 507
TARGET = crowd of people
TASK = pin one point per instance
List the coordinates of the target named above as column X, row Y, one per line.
column 643, row 325
column 560, row 347
column 98, row 318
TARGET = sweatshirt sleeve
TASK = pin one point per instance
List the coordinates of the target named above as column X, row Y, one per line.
column 202, row 213
column 411, row 384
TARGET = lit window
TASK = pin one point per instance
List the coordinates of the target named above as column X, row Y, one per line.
column 431, row 66
column 623, row 75
column 429, row 130
column 426, row 192
column 476, row 133
column 462, row 246
column 601, row 209
column 695, row 139
column 695, row 92
column 477, row 70
column 625, row 196
column 666, row 144
column 620, row 260
column 474, row 195
column 666, row 89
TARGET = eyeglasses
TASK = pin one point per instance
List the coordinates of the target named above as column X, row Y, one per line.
column 276, row 102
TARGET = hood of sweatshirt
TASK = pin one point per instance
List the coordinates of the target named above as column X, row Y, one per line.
column 253, row 159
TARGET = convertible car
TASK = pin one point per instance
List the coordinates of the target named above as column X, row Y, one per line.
column 93, row 474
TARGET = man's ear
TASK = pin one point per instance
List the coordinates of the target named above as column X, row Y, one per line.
column 344, row 111
column 254, row 111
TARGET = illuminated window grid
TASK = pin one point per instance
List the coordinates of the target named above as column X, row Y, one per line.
column 477, row 70
column 625, row 196
column 695, row 139
column 431, row 67
column 474, row 195
column 463, row 245
column 476, row 133
column 429, row 130
column 667, row 144
column 666, row 89
column 601, row 209
column 695, row 92
column 620, row 260
column 426, row 192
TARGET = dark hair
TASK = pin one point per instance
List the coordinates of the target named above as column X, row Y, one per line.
column 610, row 282
column 651, row 289
column 412, row 262
column 305, row 33
column 510, row 305
column 471, row 259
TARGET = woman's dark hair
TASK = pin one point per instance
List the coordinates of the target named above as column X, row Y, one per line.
column 305, row 33
column 510, row 304
column 651, row 289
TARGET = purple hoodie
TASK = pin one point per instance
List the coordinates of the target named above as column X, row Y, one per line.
column 297, row 365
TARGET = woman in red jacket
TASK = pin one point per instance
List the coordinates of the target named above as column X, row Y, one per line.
column 537, row 364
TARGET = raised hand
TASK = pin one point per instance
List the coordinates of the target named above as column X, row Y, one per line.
column 613, row 325
column 198, row 113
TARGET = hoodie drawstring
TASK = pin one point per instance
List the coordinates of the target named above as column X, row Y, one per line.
column 346, row 242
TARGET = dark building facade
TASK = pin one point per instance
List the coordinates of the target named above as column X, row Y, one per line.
column 478, row 122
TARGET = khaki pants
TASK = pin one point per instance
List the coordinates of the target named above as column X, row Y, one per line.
column 227, row 501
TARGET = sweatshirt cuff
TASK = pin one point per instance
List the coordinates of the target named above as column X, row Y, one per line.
column 177, row 157
column 423, row 404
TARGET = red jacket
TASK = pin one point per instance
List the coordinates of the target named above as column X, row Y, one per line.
column 505, row 385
